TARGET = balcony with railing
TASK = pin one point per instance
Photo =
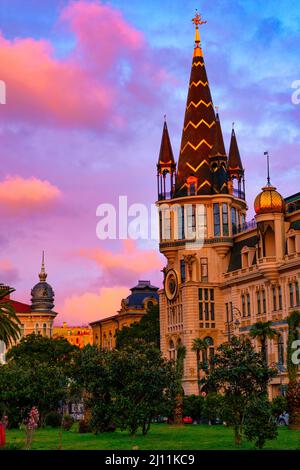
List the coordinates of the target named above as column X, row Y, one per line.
column 239, row 193
column 251, row 224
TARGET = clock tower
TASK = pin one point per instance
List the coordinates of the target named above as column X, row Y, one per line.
column 201, row 202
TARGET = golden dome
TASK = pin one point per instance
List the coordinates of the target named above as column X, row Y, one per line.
column 268, row 201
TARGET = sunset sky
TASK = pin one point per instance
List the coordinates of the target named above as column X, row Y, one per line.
column 88, row 84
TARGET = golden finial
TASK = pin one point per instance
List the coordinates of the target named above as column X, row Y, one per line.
column 43, row 274
column 197, row 20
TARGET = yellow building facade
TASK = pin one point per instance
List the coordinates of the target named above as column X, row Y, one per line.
column 223, row 274
column 79, row 336
column 143, row 296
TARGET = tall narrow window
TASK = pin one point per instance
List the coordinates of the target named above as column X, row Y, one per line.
column 204, row 269
column 248, row 305
column 22, row 330
column 274, row 298
column 297, row 293
column 291, row 295
column 225, row 220
column 182, row 270
column 180, row 223
column 217, row 226
column 44, row 329
column 191, row 221
column 243, row 305
column 227, row 313
column 166, row 224
column 37, row 328
column 200, row 295
column 280, row 297
column 160, row 225
column 264, row 301
column 280, row 347
column 206, row 307
column 233, row 220
column 201, row 221
column 258, row 303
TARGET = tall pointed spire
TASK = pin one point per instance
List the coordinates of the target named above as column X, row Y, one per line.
column 234, row 159
column 165, row 166
column 199, row 121
column 43, row 274
column 218, row 148
column 218, row 160
column 166, row 157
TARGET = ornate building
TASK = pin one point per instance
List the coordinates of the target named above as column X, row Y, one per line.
column 143, row 296
column 79, row 336
column 223, row 274
column 39, row 316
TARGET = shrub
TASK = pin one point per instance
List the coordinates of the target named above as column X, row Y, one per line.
column 83, row 426
column 193, row 406
column 53, row 419
column 279, row 405
column 67, row 422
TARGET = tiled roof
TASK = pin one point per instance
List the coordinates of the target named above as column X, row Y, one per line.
column 236, row 256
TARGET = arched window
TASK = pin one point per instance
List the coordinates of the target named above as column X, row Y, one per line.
column 22, row 330
column 211, row 350
column 110, row 340
column 44, row 329
column 104, row 341
column 36, row 329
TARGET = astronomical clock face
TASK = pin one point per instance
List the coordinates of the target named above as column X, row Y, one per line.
column 171, row 284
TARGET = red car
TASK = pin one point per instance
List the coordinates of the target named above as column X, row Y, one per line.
column 187, row 420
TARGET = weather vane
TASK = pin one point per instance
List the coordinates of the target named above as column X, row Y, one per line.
column 198, row 19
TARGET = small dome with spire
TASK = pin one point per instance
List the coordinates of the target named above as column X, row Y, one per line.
column 269, row 201
column 42, row 294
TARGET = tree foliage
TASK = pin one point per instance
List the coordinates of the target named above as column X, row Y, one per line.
column 9, row 322
column 293, row 390
column 241, row 375
column 147, row 329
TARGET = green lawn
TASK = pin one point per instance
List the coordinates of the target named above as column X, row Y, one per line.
column 160, row 436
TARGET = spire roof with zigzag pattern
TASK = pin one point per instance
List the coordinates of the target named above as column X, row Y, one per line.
column 198, row 130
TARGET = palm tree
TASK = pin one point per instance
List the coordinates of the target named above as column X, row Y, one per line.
column 9, row 322
column 293, row 390
column 178, row 408
column 263, row 331
column 198, row 346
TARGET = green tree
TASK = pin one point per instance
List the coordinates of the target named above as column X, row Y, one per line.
column 193, row 406
column 147, row 329
column 35, row 348
column 259, row 422
column 241, row 375
column 92, row 379
column 199, row 345
column 293, row 389
column 22, row 387
column 279, row 406
column 178, row 389
column 263, row 331
column 9, row 322
column 212, row 407
column 141, row 379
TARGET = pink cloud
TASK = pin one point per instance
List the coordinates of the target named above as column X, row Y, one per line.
column 124, row 267
column 109, row 73
column 8, row 273
column 89, row 306
column 18, row 194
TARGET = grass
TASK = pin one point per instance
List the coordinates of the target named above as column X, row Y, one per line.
column 160, row 437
